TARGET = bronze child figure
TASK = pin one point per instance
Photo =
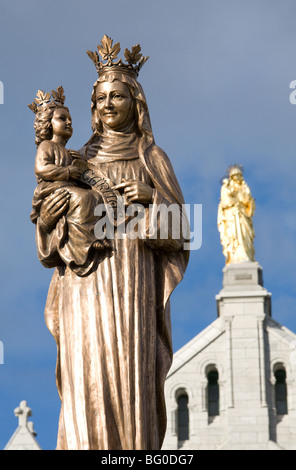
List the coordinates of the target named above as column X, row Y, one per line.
column 59, row 170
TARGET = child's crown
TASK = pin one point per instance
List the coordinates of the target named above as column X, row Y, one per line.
column 42, row 100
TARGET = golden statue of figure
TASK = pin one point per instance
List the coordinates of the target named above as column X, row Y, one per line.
column 235, row 212
column 108, row 305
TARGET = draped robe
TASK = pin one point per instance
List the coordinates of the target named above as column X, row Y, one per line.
column 112, row 326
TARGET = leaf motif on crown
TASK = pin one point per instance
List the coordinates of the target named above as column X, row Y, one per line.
column 42, row 99
column 109, row 52
column 33, row 107
column 134, row 56
column 106, row 50
column 58, row 95
column 94, row 57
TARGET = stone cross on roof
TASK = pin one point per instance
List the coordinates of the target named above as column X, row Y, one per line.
column 23, row 412
column 24, row 436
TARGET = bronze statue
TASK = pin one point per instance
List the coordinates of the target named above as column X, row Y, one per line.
column 108, row 308
column 235, row 212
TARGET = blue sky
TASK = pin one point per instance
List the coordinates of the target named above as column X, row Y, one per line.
column 217, row 86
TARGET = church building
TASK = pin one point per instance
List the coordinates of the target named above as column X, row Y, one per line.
column 233, row 386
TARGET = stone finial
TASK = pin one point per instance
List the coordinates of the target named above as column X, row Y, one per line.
column 23, row 412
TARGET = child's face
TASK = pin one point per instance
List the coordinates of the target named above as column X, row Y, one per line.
column 62, row 123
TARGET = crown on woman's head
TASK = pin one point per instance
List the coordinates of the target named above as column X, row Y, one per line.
column 109, row 52
column 235, row 168
column 42, row 100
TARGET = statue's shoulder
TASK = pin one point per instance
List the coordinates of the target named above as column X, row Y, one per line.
column 157, row 151
column 158, row 155
column 46, row 146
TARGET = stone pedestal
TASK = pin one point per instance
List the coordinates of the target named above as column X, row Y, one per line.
column 244, row 305
column 242, row 276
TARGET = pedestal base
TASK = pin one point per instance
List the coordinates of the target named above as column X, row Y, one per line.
column 243, row 284
column 242, row 275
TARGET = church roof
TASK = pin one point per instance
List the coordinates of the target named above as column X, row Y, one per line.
column 24, row 436
column 197, row 344
column 282, row 332
column 214, row 331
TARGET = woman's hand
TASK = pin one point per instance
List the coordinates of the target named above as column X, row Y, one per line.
column 136, row 191
column 53, row 207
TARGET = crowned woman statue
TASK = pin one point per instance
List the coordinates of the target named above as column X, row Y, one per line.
column 111, row 323
column 235, row 213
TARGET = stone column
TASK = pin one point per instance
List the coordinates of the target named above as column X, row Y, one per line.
column 244, row 304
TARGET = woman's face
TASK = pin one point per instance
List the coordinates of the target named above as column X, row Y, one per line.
column 114, row 104
column 237, row 177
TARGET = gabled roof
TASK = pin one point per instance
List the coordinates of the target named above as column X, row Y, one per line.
column 282, row 332
column 216, row 329
column 24, row 436
column 22, row 439
column 197, row 344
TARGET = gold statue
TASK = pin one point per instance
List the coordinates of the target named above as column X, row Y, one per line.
column 110, row 314
column 235, row 212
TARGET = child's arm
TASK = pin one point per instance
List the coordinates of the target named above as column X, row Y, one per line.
column 45, row 167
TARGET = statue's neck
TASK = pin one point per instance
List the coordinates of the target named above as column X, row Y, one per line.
column 120, row 132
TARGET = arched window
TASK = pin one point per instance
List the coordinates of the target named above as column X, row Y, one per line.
column 213, row 392
column 183, row 417
column 280, row 390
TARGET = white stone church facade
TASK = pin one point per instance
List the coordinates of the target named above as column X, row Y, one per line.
column 233, row 386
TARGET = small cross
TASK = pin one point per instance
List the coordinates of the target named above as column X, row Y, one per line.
column 23, row 412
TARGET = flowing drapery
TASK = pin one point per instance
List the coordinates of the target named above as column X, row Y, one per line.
column 112, row 327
